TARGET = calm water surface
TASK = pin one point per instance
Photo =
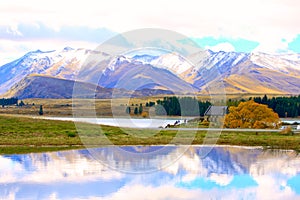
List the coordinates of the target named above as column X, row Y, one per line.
column 122, row 122
column 225, row 173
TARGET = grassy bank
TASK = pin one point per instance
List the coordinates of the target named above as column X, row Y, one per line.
column 23, row 135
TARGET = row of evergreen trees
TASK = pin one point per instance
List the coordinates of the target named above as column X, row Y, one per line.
column 283, row 106
column 178, row 106
column 185, row 106
column 14, row 101
column 182, row 106
column 136, row 111
column 9, row 101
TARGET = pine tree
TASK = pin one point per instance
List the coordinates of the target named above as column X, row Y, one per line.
column 264, row 99
column 151, row 103
column 21, row 103
column 140, row 109
column 41, row 112
column 136, row 111
column 128, row 110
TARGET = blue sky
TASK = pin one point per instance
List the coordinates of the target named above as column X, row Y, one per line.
column 227, row 44
column 270, row 26
column 295, row 44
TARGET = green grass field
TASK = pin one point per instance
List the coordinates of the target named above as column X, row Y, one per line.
column 23, row 135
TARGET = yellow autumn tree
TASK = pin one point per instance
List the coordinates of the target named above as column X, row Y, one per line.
column 251, row 115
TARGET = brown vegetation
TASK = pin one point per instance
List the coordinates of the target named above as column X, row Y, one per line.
column 251, row 115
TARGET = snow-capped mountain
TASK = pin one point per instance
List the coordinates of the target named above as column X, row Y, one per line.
column 202, row 71
column 173, row 62
column 132, row 74
column 60, row 64
column 234, row 72
column 246, row 73
column 286, row 63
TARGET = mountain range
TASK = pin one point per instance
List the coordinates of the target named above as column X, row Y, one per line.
column 52, row 74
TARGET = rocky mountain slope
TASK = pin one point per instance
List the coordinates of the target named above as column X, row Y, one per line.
column 248, row 73
column 236, row 72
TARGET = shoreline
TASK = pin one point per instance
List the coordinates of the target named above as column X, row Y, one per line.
column 27, row 135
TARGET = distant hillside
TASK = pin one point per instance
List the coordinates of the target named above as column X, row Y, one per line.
column 37, row 86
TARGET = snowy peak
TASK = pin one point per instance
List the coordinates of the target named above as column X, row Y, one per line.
column 221, row 59
column 67, row 53
column 285, row 63
column 61, row 64
column 226, row 60
column 173, row 62
column 117, row 62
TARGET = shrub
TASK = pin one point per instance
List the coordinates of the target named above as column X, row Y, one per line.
column 287, row 131
column 71, row 134
column 205, row 123
column 144, row 114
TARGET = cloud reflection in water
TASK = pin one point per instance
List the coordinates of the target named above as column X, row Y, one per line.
column 226, row 173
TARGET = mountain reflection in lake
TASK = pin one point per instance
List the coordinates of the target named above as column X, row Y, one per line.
column 225, row 173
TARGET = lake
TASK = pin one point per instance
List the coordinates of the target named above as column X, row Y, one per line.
column 123, row 122
column 224, row 173
column 290, row 120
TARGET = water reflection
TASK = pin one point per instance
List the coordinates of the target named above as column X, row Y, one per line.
column 225, row 173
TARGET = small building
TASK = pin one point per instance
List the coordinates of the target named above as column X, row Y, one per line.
column 213, row 113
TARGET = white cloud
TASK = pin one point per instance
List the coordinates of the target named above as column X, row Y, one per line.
column 221, row 47
column 221, row 179
column 12, row 50
column 53, row 196
column 10, row 195
column 270, row 189
column 274, row 45
column 149, row 192
column 267, row 22
column 77, row 167
column 191, row 16
column 13, row 30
